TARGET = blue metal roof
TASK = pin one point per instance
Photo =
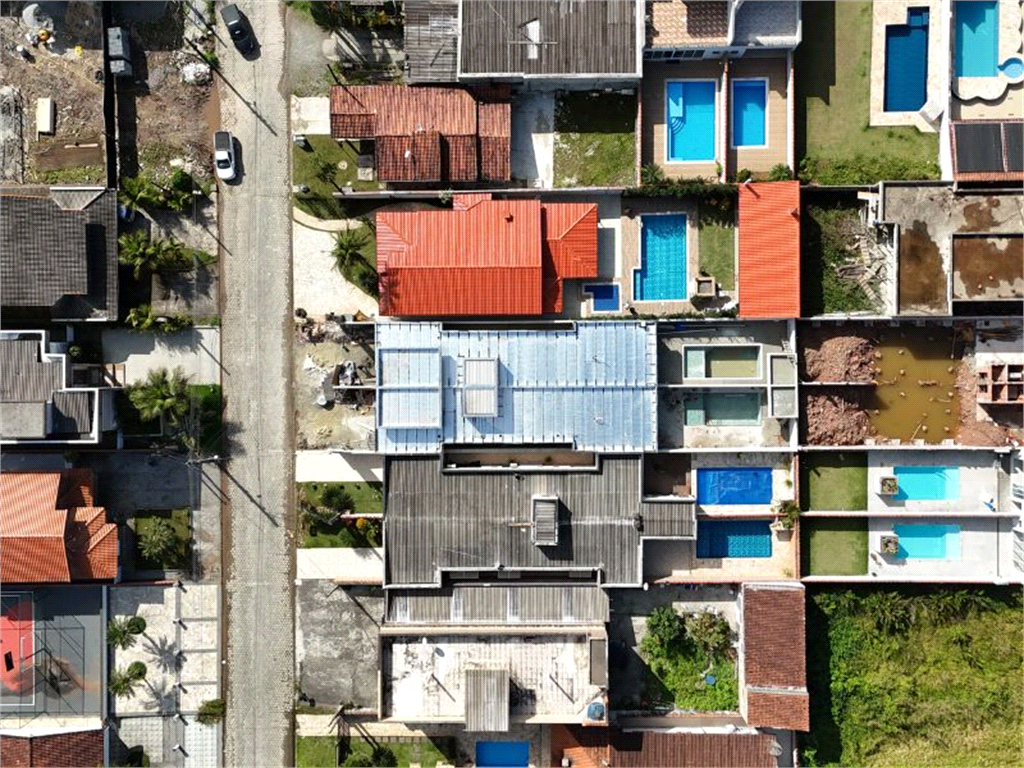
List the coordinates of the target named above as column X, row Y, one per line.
column 593, row 386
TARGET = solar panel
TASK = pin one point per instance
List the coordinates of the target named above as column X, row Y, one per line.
column 1014, row 146
column 979, row 148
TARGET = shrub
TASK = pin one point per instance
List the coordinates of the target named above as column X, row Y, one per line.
column 337, row 498
column 136, row 625
column 710, row 632
column 744, row 174
column 651, row 174
column 722, row 196
column 157, row 541
column 119, row 635
column 665, row 630
column 780, row 172
column 788, row 512
column 121, row 684
column 136, row 670
column 211, row 711
column 862, row 170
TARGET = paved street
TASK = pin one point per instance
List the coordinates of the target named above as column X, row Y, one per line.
column 255, row 229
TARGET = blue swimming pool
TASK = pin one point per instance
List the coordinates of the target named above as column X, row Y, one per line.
column 906, row 63
column 503, row 754
column 662, row 273
column 690, row 117
column 922, row 541
column 734, row 485
column 927, row 483
column 976, row 34
column 734, row 538
column 749, row 102
column 606, row 296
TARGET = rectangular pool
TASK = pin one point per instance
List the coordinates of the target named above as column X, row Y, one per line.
column 920, row 541
column 503, row 754
column 749, row 102
column 690, row 120
column 734, row 538
column 722, row 409
column 734, row 485
column 976, row 37
column 662, row 273
column 906, row 63
column 927, row 483
column 722, row 362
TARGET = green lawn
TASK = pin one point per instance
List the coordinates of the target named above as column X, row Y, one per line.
column 826, row 238
column 831, row 482
column 316, row 751
column 319, row 201
column 918, row 677
column 320, row 751
column 595, row 143
column 833, row 103
column 352, row 498
column 834, row 546
column 182, row 557
column 716, row 238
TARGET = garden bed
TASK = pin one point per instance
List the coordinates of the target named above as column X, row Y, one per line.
column 322, row 503
column 595, row 140
column 179, row 554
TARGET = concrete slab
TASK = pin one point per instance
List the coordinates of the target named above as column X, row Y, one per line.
column 331, row 466
column 311, row 115
column 977, row 481
column 341, row 565
column 196, row 351
column 533, row 139
column 317, row 286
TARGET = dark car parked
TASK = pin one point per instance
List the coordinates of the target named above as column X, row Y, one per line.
column 238, row 27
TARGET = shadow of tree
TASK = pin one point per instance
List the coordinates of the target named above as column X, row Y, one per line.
column 164, row 652
column 159, row 696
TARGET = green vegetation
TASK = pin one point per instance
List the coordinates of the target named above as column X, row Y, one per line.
column 320, row 169
column 833, row 103
column 834, row 546
column 142, row 254
column 316, row 751
column 205, row 422
column 355, row 257
column 211, row 711
column 152, row 192
column 716, row 238
column 163, row 540
column 163, row 396
column 143, row 319
column 826, row 237
column 321, row 504
column 335, row 16
column 123, row 682
column 721, row 198
column 832, row 482
column 320, row 751
column 79, row 174
column 119, row 635
column 921, row 677
column 682, row 651
column 595, row 143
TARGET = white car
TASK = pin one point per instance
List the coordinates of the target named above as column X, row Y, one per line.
column 224, row 155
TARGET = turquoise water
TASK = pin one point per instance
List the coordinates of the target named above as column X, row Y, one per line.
column 734, row 485
column 906, row 63
column 503, row 754
column 690, row 105
column 976, row 35
column 662, row 273
column 734, row 538
column 749, row 100
column 927, row 483
column 1012, row 68
column 921, row 541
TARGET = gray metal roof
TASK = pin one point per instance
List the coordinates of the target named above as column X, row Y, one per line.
column 24, row 378
column 440, row 521
column 593, row 386
column 58, row 251
column 72, row 413
column 30, row 387
column 431, row 40
column 545, row 38
column 768, row 23
column 471, row 604
column 488, row 700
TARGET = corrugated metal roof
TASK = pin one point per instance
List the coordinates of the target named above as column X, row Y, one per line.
column 593, row 387
column 488, row 699
column 437, row 521
column 431, row 40
column 473, row 604
column 24, row 377
column 769, row 250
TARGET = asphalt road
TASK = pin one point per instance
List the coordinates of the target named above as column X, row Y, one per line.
column 255, row 350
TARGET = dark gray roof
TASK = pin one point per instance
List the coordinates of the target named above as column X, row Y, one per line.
column 479, row 521
column 488, row 699
column 28, row 385
column 59, row 251
column 575, row 37
column 471, row 604
column 24, row 378
column 769, row 23
column 72, row 413
column 431, row 40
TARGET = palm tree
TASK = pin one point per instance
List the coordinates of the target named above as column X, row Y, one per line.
column 144, row 320
column 122, row 683
column 348, row 246
column 143, row 254
column 119, row 635
column 139, row 193
column 163, row 395
column 325, row 171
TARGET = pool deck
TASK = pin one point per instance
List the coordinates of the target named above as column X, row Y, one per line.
column 894, row 12
column 981, row 478
column 988, row 98
column 675, row 562
column 782, row 471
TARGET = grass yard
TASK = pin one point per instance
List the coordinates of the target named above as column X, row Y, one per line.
column 834, row 546
column 316, row 751
column 595, row 144
column 307, row 164
column 825, row 237
column 832, row 482
column 181, row 558
column 918, row 677
column 318, row 500
column 833, row 100
column 319, row 751
column 716, row 238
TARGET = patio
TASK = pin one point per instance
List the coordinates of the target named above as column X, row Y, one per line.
column 781, row 465
column 976, row 491
column 676, row 562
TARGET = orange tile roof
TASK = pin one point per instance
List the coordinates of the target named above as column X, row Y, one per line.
column 483, row 257
column 790, row 710
column 769, row 250
column 50, row 532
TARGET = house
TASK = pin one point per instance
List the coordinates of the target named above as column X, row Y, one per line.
column 714, row 29
column 427, row 134
column 51, row 530
column 769, row 250
column 58, row 253
column 484, row 257
column 578, row 46
column 39, row 401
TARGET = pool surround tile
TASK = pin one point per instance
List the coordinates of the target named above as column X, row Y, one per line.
column 979, row 481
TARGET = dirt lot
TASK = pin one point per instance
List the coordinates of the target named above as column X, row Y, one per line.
column 836, row 416
column 829, row 357
column 977, row 423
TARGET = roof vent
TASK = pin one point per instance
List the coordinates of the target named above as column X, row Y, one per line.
column 544, row 519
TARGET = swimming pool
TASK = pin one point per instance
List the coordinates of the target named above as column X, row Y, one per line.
column 906, row 63
column 927, row 483
column 749, row 101
column 606, row 296
column 722, row 409
column 734, row 485
column 920, row 541
column 662, row 273
column 734, row 538
column 722, row 362
column 503, row 754
column 977, row 38
column 690, row 120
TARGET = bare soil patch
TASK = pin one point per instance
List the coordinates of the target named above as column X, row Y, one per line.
column 983, row 431
column 836, row 416
column 923, row 281
column 828, row 357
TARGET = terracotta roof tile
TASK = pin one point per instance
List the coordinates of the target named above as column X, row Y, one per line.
column 659, row 749
column 769, row 250
column 779, row 710
column 408, row 158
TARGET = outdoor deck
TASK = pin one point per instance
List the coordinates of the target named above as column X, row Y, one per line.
column 980, row 479
column 676, row 562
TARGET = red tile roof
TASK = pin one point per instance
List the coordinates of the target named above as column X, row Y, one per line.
column 427, row 133
column 593, row 747
column 774, row 656
column 59, row 749
column 769, row 250
column 50, row 532
column 483, row 257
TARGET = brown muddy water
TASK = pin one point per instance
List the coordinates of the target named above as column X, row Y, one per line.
column 915, row 396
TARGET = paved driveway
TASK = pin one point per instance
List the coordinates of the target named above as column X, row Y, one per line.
column 256, row 354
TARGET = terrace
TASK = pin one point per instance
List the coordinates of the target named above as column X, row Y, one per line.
column 962, row 482
column 726, row 551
